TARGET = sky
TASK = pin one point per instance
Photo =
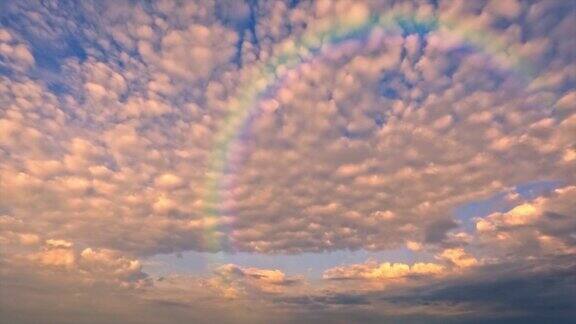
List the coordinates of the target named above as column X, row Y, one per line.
column 288, row 161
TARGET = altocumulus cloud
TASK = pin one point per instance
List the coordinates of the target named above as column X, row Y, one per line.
column 130, row 130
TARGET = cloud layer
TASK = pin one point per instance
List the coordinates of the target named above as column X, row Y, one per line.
column 110, row 114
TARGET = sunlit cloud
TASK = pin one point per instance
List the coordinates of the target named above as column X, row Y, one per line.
column 287, row 161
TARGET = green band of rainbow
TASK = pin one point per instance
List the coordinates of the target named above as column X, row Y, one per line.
column 323, row 36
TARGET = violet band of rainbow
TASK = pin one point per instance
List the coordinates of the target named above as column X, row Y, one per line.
column 319, row 39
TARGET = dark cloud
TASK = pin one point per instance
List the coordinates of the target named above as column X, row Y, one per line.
column 507, row 292
column 325, row 301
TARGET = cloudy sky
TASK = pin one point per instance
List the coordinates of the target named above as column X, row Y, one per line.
column 287, row 161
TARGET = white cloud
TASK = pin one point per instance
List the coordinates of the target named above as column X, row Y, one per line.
column 383, row 272
column 14, row 53
column 544, row 226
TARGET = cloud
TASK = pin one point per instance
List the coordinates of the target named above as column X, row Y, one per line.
column 168, row 181
column 13, row 52
column 91, row 265
column 234, row 281
column 108, row 123
column 57, row 256
column 416, row 144
column 458, row 257
column 384, row 271
column 493, row 293
column 544, row 226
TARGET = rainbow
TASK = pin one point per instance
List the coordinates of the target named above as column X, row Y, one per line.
column 319, row 40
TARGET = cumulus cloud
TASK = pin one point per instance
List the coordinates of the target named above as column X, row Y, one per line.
column 458, row 257
column 91, row 265
column 544, row 226
column 233, row 281
column 383, row 271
